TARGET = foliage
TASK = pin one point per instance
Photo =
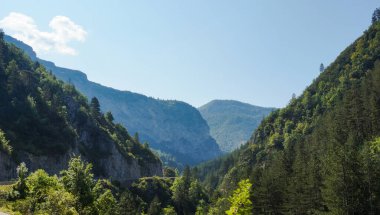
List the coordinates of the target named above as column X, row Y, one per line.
column 106, row 203
column 130, row 203
column 240, row 200
column 319, row 154
column 40, row 185
column 41, row 115
column 19, row 189
column 169, row 211
column 170, row 172
column 78, row 180
column 154, row 207
column 60, row 202
column 4, row 143
column 376, row 16
column 149, row 188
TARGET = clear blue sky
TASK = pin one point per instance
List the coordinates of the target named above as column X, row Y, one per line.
column 254, row 51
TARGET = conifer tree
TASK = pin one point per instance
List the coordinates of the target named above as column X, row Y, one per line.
column 95, row 107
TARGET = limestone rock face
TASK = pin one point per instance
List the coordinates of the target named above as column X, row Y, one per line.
column 173, row 128
column 47, row 123
column 114, row 166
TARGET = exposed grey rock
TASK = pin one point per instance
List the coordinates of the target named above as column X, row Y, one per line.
column 172, row 127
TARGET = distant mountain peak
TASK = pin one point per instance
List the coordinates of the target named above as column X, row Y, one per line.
column 174, row 128
column 232, row 122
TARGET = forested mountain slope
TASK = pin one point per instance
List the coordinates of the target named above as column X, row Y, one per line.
column 321, row 153
column 175, row 129
column 232, row 122
column 43, row 122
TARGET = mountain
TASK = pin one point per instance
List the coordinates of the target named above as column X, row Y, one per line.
column 44, row 122
column 232, row 122
column 176, row 130
column 321, row 153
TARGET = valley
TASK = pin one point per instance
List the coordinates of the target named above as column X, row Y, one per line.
column 75, row 147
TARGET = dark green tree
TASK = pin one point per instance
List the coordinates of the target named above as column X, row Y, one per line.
column 128, row 204
column 181, row 196
column 155, row 206
column 109, row 117
column 95, row 107
column 376, row 15
column 4, row 143
column 170, row 172
column 321, row 68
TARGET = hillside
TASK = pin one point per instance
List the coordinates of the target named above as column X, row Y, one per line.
column 44, row 122
column 321, row 153
column 232, row 122
column 173, row 128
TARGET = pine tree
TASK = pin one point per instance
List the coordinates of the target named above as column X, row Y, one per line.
column 155, row 206
column 180, row 195
column 95, row 107
column 376, row 16
column 321, row 68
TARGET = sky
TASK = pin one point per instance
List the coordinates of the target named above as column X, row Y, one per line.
column 255, row 51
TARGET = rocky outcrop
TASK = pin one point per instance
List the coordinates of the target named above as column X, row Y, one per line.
column 114, row 166
column 47, row 123
column 174, row 128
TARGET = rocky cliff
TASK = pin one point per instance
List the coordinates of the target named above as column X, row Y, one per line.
column 176, row 130
column 47, row 122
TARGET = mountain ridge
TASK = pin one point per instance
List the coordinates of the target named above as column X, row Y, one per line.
column 44, row 122
column 321, row 153
column 232, row 122
column 175, row 129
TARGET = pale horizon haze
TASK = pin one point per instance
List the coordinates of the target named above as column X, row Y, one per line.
column 258, row 52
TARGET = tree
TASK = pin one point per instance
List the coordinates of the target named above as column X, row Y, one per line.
column 2, row 44
column 187, row 176
column 128, row 204
column 321, row 68
column 4, row 143
column 202, row 208
column 169, row 172
column 20, row 189
column 95, row 106
column 155, row 206
column 14, row 84
column 370, row 157
column 41, row 185
column 136, row 137
column 196, row 193
column 180, row 195
column 240, row 200
column 79, row 180
column 59, row 202
column 1, row 35
column 169, row 211
column 106, row 203
column 109, row 117
column 376, row 15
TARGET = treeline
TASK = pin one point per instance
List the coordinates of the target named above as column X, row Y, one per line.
column 76, row 191
column 41, row 115
column 321, row 153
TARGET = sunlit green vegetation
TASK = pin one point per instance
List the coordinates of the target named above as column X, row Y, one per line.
column 318, row 155
column 41, row 115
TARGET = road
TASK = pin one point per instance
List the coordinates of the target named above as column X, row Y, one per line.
column 1, row 213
